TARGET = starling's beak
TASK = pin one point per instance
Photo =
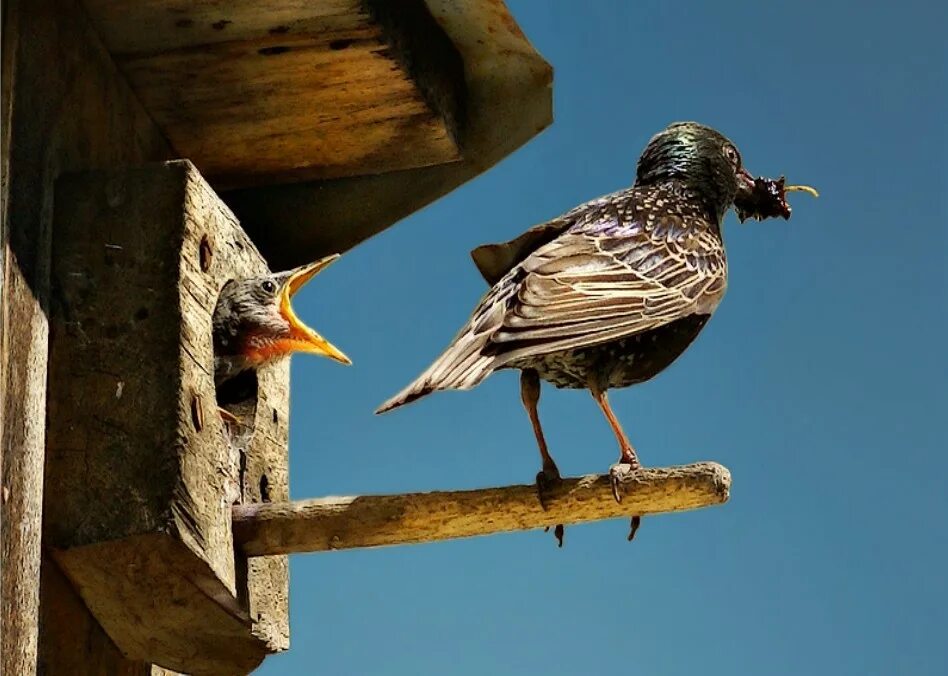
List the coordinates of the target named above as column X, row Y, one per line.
column 304, row 338
column 745, row 186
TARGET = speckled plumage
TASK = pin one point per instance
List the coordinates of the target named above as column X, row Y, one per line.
column 608, row 294
column 613, row 292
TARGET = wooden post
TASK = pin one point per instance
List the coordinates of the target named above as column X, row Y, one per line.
column 377, row 520
column 144, row 470
column 65, row 107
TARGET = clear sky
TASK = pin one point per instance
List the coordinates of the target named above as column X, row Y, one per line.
column 820, row 382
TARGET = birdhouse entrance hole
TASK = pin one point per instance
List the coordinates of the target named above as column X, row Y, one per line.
column 146, row 468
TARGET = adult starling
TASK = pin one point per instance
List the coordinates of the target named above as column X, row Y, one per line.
column 254, row 324
column 608, row 294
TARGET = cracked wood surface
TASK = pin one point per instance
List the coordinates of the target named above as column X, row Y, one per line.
column 332, row 523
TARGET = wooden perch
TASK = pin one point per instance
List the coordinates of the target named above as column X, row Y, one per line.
column 376, row 520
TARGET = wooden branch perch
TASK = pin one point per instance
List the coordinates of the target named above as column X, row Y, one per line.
column 376, row 520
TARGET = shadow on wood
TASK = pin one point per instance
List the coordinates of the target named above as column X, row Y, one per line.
column 332, row 523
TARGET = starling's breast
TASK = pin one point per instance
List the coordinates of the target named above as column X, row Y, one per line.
column 619, row 363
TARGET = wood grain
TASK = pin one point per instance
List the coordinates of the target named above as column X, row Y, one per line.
column 65, row 107
column 284, row 91
column 85, row 649
column 379, row 520
column 144, row 469
column 507, row 101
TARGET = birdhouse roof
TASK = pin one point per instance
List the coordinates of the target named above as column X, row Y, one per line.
column 321, row 123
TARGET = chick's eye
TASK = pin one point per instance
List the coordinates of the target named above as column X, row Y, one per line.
column 269, row 286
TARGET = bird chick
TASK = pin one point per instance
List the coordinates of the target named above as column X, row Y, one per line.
column 607, row 295
column 254, row 323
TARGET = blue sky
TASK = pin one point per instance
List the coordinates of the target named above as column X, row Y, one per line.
column 820, row 382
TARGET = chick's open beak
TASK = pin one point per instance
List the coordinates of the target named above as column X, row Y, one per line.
column 304, row 338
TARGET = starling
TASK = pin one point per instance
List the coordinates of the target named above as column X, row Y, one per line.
column 254, row 324
column 610, row 293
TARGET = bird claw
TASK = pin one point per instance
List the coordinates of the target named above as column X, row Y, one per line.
column 617, row 473
column 636, row 522
column 547, row 478
column 558, row 531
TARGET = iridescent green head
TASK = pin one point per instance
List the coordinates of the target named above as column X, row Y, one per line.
column 701, row 158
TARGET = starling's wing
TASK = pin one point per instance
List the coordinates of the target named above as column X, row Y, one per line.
column 602, row 280
column 584, row 288
column 494, row 261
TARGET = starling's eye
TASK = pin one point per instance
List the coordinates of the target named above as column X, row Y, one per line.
column 269, row 286
column 731, row 153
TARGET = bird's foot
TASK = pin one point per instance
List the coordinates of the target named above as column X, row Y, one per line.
column 636, row 522
column 558, row 531
column 547, row 478
column 617, row 474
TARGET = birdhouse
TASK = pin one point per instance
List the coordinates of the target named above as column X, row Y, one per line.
column 146, row 469
column 316, row 125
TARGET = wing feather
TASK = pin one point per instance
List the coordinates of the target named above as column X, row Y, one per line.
column 619, row 269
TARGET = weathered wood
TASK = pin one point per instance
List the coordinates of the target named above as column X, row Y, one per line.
column 378, row 520
column 143, row 469
column 64, row 107
column 265, row 594
column 283, row 91
column 508, row 101
column 85, row 649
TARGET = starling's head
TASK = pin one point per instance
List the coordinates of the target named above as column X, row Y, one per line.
column 254, row 318
column 701, row 158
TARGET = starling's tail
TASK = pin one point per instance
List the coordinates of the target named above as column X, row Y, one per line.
column 464, row 363
column 461, row 367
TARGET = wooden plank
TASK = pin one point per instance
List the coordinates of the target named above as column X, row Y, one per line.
column 507, row 101
column 133, row 418
column 68, row 109
column 85, row 649
column 378, row 520
column 284, row 91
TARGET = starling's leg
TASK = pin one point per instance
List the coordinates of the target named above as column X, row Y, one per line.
column 628, row 459
column 549, row 475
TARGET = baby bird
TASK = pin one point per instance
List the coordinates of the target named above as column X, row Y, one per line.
column 254, row 324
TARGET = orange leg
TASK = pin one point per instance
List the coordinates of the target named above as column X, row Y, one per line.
column 628, row 455
column 530, row 394
column 628, row 459
column 550, row 474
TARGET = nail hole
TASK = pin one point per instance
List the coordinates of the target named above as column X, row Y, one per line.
column 264, row 488
column 272, row 51
column 197, row 412
column 276, row 417
column 206, row 253
column 220, row 25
